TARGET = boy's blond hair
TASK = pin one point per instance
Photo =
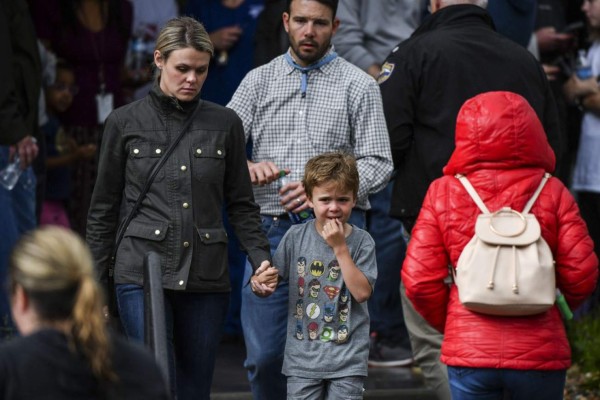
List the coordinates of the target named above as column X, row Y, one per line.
column 335, row 167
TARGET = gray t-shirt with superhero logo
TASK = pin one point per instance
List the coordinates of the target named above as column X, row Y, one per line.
column 328, row 331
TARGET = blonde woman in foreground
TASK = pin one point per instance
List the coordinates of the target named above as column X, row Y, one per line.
column 66, row 351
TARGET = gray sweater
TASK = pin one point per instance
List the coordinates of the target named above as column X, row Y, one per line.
column 370, row 29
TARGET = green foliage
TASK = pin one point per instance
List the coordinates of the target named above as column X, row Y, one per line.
column 584, row 337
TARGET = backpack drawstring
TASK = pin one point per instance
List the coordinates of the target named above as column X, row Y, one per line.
column 515, row 287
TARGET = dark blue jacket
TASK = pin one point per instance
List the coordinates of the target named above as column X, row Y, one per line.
column 514, row 19
column 223, row 80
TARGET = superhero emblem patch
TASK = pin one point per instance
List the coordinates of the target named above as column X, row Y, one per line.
column 313, row 311
column 386, row 71
column 317, row 268
column 327, row 334
column 331, row 291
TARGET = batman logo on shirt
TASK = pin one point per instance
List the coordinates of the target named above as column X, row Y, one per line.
column 317, row 268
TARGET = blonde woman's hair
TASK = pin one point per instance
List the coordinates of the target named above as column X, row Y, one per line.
column 54, row 267
column 334, row 167
column 181, row 33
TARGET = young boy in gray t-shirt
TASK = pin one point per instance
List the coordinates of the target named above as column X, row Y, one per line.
column 331, row 269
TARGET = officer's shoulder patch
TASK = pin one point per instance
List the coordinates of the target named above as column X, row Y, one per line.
column 386, row 71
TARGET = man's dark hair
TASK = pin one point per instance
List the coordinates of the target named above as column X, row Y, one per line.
column 331, row 4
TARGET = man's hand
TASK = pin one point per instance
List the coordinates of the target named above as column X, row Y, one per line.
column 85, row 151
column 575, row 88
column 27, row 149
column 552, row 71
column 264, row 172
column 233, row 4
column 293, row 197
column 550, row 41
column 374, row 70
column 223, row 39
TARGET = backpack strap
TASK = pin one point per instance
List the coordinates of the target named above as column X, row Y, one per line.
column 471, row 190
column 536, row 194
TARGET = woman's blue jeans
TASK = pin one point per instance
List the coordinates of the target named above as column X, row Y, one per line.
column 492, row 383
column 194, row 324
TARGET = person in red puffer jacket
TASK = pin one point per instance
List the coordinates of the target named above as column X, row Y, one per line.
column 502, row 149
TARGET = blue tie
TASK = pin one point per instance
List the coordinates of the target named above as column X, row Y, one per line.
column 304, row 82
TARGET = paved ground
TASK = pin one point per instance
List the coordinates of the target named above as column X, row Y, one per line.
column 230, row 382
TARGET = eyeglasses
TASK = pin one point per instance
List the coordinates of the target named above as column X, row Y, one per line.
column 61, row 87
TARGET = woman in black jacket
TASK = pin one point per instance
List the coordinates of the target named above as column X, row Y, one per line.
column 180, row 216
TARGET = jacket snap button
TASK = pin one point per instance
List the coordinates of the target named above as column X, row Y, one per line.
column 186, row 244
column 157, row 232
column 219, row 152
column 180, row 283
column 186, row 205
column 199, row 151
column 207, row 236
column 158, row 151
column 136, row 151
column 183, row 168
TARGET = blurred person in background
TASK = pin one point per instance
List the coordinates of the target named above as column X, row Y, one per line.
column 514, row 19
column 231, row 25
column 21, row 72
column 149, row 16
column 92, row 36
column 586, row 176
column 62, row 152
column 65, row 350
column 555, row 44
column 271, row 39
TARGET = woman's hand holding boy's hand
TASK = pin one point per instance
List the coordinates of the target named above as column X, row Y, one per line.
column 264, row 281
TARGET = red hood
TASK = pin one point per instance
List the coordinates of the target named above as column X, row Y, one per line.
column 499, row 130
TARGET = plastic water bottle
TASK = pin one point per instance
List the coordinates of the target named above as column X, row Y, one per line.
column 296, row 218
column 583, row 68
column 10, row 175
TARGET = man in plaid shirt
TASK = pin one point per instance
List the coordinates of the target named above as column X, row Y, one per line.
column 303, row 103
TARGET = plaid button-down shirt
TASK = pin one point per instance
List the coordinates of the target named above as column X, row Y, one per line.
column 342, row 111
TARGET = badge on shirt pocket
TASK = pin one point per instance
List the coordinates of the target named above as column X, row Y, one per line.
column 386, row 72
